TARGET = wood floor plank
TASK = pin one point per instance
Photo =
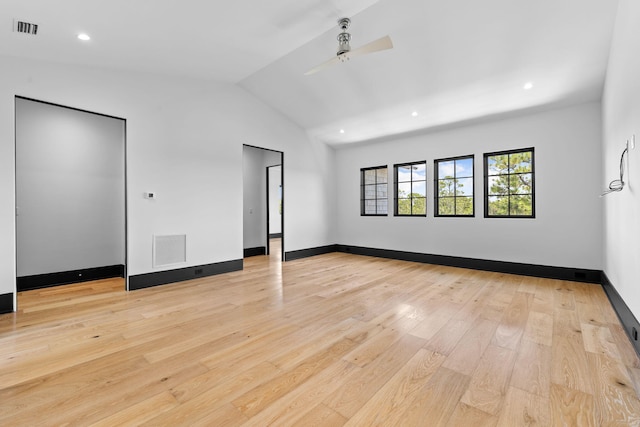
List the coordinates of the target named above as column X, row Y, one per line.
column 466, row 355
column 333, row 339
column 490, row 380
column 437, row 399
column 616, row 402
column 571, row 407
column 532, row 370
column 361, row 385
column 391, row 401
column 524, row 409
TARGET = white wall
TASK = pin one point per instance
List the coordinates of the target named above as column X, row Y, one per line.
column 621, row 120
column 184, row 141
column 69, row 189
column 567, row 229
column 275, row 218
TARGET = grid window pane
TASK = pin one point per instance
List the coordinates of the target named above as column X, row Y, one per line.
column 498, row 185
column 404, row 190
column 520, row 205
column 411, row 189
column 499, row 205
column 381, row 175
column 446, row 206
column 509, row 181
column 464, row 168
column 464, row 186
column 374, row 189
column 446, row 169
column 419, row 189
column 418, row 206
column 454, row 185
column 419, row 172
column 464, row 205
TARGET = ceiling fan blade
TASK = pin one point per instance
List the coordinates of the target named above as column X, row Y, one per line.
column 324, row 65
column 382, row 43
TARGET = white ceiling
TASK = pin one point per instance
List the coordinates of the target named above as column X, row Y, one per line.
column 453, row 60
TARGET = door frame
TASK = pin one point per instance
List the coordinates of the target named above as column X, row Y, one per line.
column 126, row 216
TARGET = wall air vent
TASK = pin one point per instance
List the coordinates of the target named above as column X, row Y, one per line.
column 169, row 250
column 25, row 27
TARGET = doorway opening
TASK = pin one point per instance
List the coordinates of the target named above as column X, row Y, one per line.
column 263, row 202
column 71, row 224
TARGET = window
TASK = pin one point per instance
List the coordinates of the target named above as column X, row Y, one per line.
column 373, row 191
column 454, row 186
column 411, row 189
column 509, row 184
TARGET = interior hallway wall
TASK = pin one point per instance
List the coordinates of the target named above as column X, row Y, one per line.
column 70, row 189
column 621, row 118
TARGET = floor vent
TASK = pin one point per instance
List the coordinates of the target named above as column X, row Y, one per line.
column 169, row 250
column 25, row 27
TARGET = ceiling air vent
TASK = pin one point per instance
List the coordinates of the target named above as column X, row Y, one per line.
column 25, row 27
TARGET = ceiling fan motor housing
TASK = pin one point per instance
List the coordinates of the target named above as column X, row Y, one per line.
column 343, row 43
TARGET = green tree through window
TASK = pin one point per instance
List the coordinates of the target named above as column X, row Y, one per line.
column 454, row 186
column 411, row 189
column 509, row 184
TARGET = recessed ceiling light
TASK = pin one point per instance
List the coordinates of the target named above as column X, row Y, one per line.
column 527, row 86
column 414, row 114
column 341, row 130
column 84, row 37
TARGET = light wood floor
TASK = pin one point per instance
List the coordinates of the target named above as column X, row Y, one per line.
column 331, row 340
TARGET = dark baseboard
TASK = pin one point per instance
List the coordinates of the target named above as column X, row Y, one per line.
column 6, row 303
column 628, row 320
column 260, row 250
column 275, row 235
column 305, row 253
column 26, row 283
column 148, row 280
column 549, row 272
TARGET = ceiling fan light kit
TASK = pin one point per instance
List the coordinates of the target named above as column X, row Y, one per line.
column 345, row 53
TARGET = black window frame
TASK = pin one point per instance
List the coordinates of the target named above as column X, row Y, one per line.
column 533, row 183
column 436, row 183
column 395, row 189
column 362, row 191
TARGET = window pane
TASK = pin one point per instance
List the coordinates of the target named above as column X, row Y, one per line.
column 464, row 168
column 404, row 206
column 419, row 189
column 382, row 207
column 521, row 205
column 464, row 205
column 369, row 192
column 521, row 162
column 404, row 189
column 381, row 191
column 370, row 176
column 404, row 173
column 381, row 175
column 419, row 172
column 464, row 187
column 498, row 164
column 520, row 183
column 499, row 185
column 370, row 207
column 446, row 187
column 445, row 206
column 419, row 206
column 446, row 169
column 498, row 205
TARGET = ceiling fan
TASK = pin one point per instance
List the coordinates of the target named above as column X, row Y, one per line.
column 345, row 53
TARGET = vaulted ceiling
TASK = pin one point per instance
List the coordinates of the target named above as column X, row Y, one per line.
column 453, row 61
